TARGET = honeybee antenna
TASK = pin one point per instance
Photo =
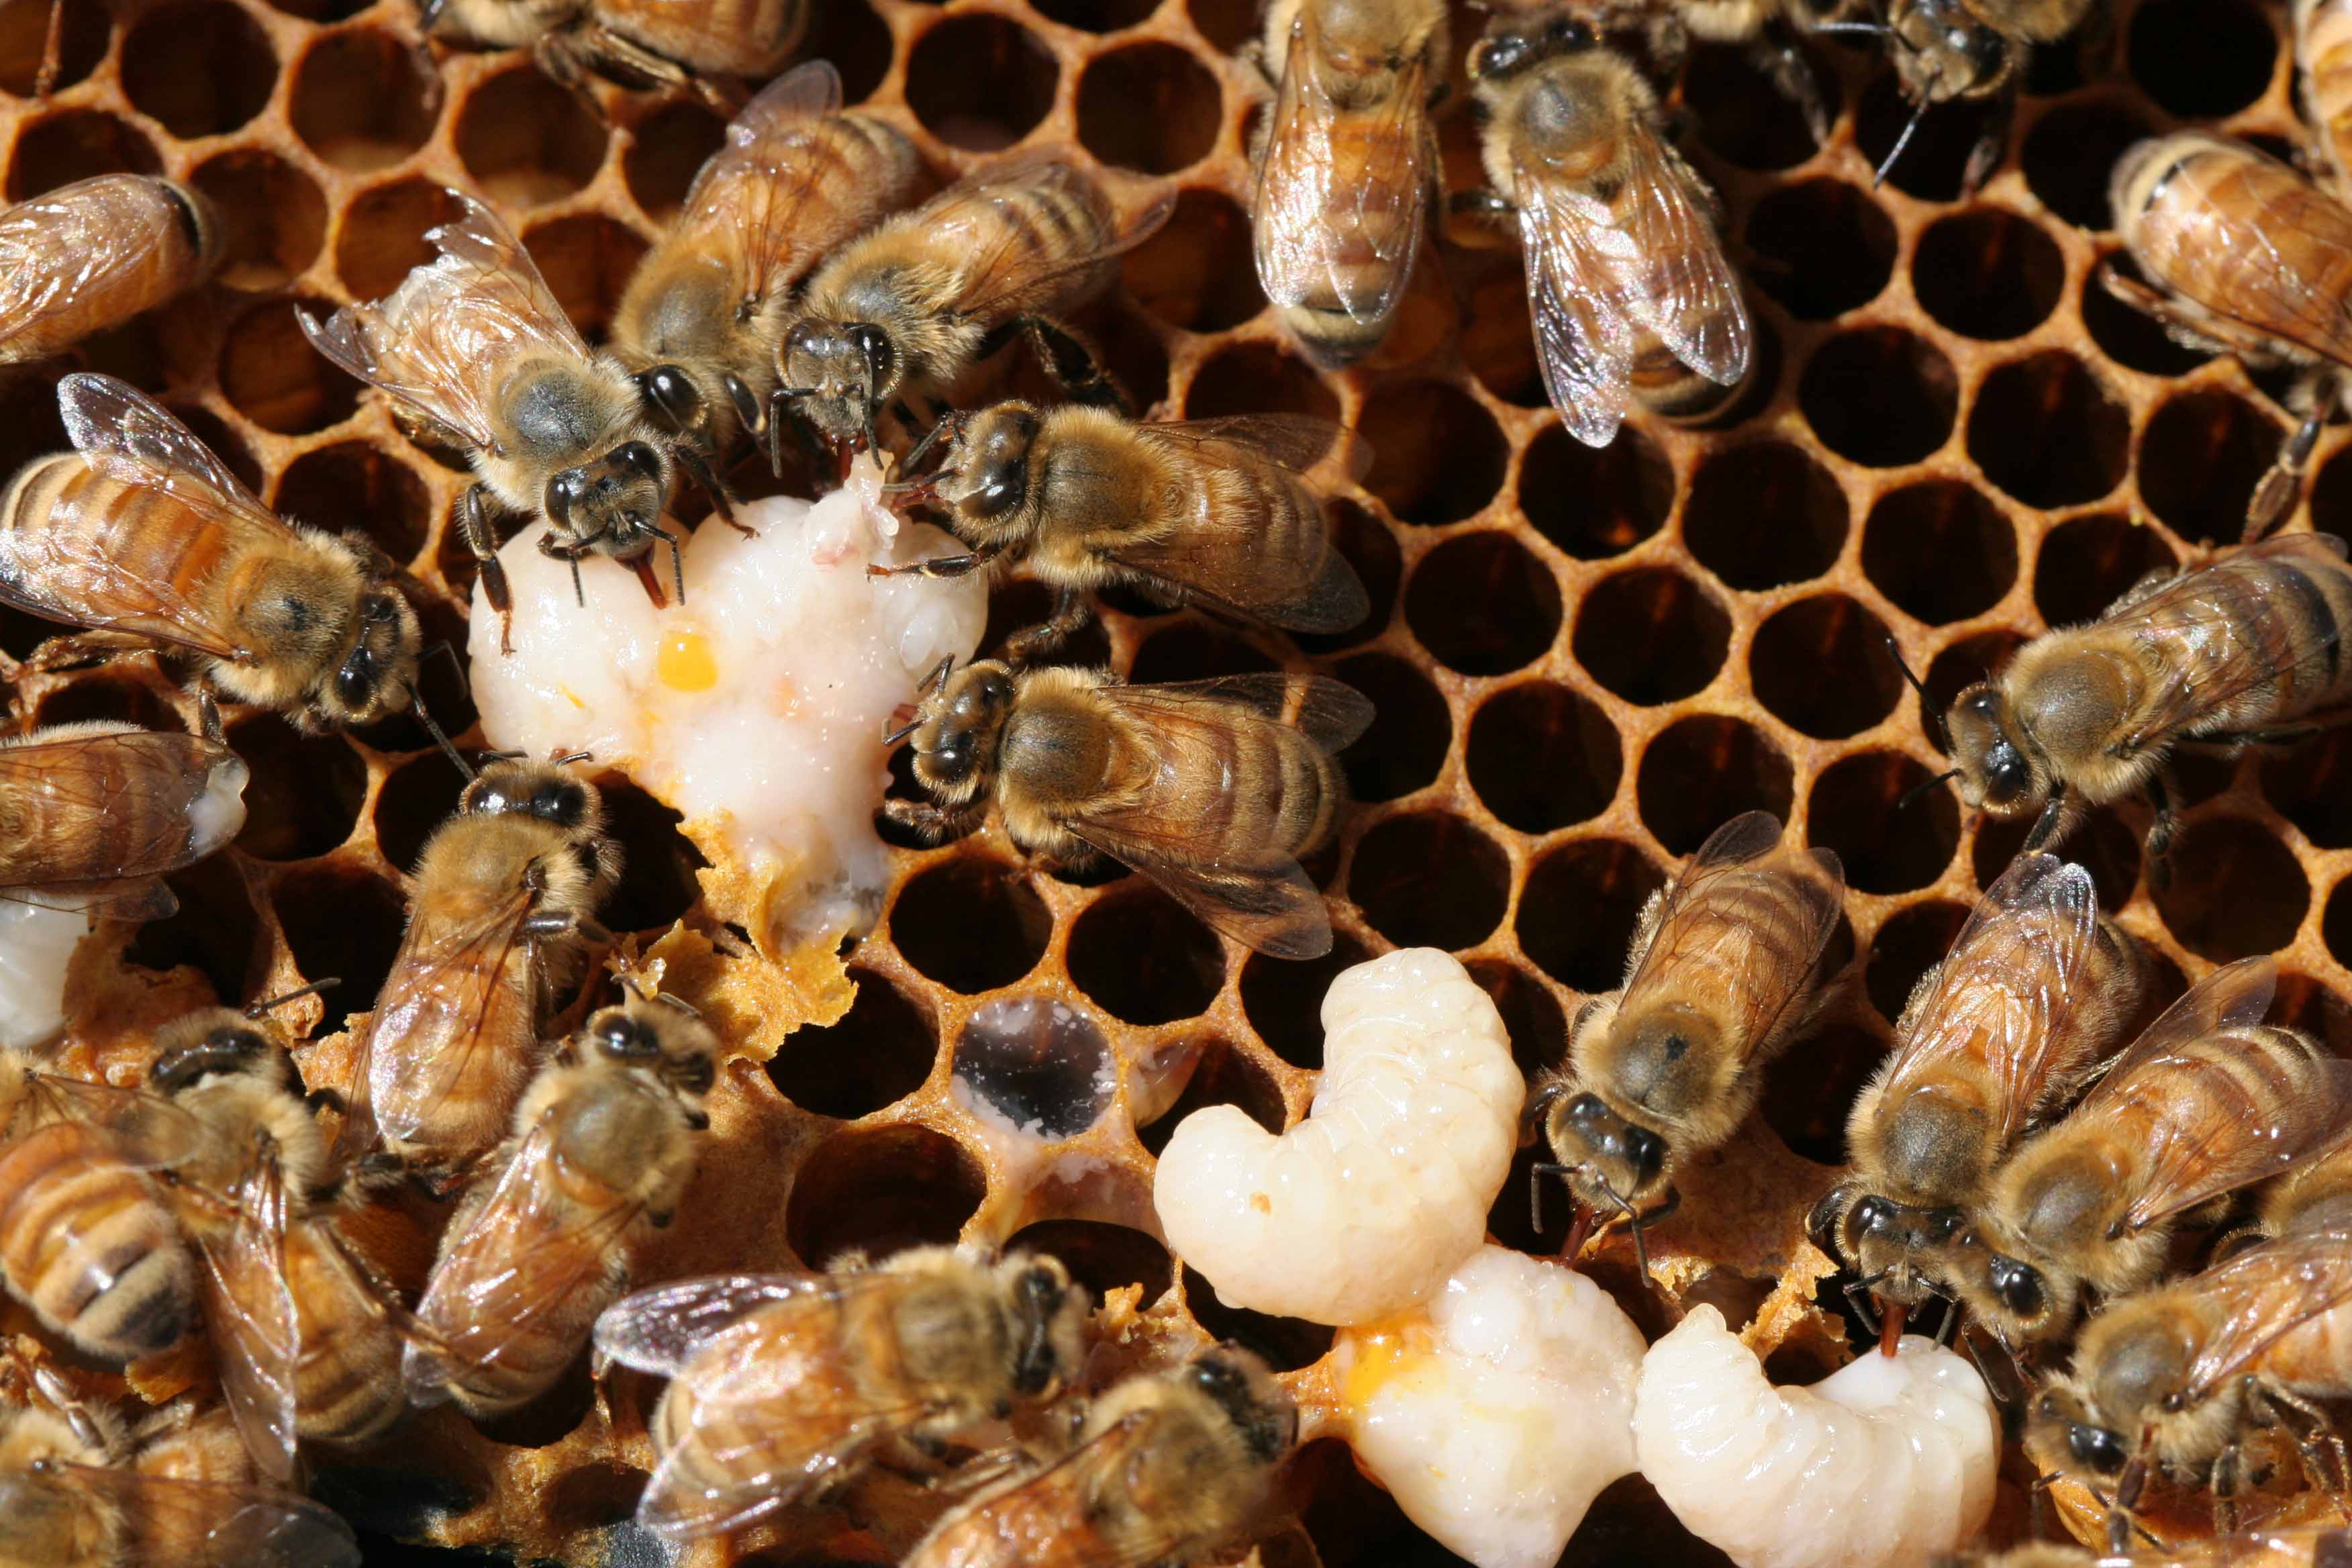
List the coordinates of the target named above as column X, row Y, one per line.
column 568, row 758
column 1850, row 29
column 1929, row 715
column 1879, row 176
column 1947, row 776
column 270, row 1005
column 903, row 730
column 424, row 717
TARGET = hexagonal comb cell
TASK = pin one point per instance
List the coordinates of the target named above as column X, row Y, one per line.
column 1582, row 660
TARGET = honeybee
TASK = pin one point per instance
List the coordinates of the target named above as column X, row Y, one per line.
column 1212, row 789
column 2238, row 652
column 1722, row 972
column 2322, row 29
column 1165, row 1467
column 93, row 254
column 2035, row 991
column 504, row 897
column 1957, row 51
column 669, row 43
column 2247, row 258
column 2207, row 1101
column 1347, row 166
column 475, row 349
column 1214, row 511
column 1618, row 232
column 87, row 1240
column 75, row 1489
column 144, row 535
column 93, row 815
column 701, row 318
column 785, row 1387
column 2173, row 1378
column 306, row 1338
column 604, row 1146
column 921, row 298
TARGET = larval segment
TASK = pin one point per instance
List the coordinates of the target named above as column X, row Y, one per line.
column 1362, row 1210
column 1496, row 1412
column 1887, row 1460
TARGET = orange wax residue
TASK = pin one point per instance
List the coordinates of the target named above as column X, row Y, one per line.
column 685, row 662
column 1378, row 1353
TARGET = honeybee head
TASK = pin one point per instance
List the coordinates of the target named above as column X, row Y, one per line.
column 1996, row 769
column 661, row 1034
column 377, row 675
column 1614, row 1164
column 614, row 503
column 1900, row 1250
column 209, row 1042
column 959, row 722
column 1238, row 1384
column 1513, row 43
column 1047, row 1316
column 839, row 372
column 1943, row 51
column 2062, row 1432
column 548, row 791
column 991, row 462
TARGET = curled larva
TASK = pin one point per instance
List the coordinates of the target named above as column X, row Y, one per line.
column 1361, row 1211
column 36, row 944
column 1886, row 1461
column 1496, row 1411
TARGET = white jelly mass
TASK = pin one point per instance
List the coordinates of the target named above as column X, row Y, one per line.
column 756, row 709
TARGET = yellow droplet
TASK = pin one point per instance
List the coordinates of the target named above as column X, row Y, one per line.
column 686, row 662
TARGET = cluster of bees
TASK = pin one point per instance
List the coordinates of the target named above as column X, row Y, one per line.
column 815, row 288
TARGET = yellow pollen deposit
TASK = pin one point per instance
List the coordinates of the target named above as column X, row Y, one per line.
column 685, row 663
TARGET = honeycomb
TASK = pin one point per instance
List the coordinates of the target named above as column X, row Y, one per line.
column 1582, row 661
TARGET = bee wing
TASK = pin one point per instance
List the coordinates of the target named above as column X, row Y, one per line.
column 533, row 1246
column 1673, row 265
column 1312, row 233
column 1218, row 552
column 2212, row 631
column 1049, row 1508
column 1295, row 441
column 71, row 574
column 2266, row 1294
column 1011, row 272
column 1260, row 896
column 100, row 774
column 443, row 339
column 2006, row 986
column 2268, row 291
column 143, row 1131
column 777, row 1411
column 1682, row 948
column 750, row 192
column 1578, row 302
column 447, row 999
column 249, row 1316
column 659, row 1330
column 73, row 241
column 220, row 1524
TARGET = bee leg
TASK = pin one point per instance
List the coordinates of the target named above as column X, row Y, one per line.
column 2056, row 821
column 85, row 647
column 941, row 565
column 563, row 56
column 208, row 718
column 2334, row 1477
column 2284, row 482
column 1072, row 360
column 1071, row 612
column 1784, row 65
column 1993, row 140
column 936, row 823
column 53, row 43
column 474, row 522
column 723, row 499
column 2160, row 831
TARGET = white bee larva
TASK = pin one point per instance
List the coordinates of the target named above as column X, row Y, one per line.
column 36, row 946
column 1887, row 1460
column 1497, row 1411
column 1361, row 1211
column 757, row 707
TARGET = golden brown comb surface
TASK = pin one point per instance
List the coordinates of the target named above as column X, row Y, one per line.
column 1583, row 661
